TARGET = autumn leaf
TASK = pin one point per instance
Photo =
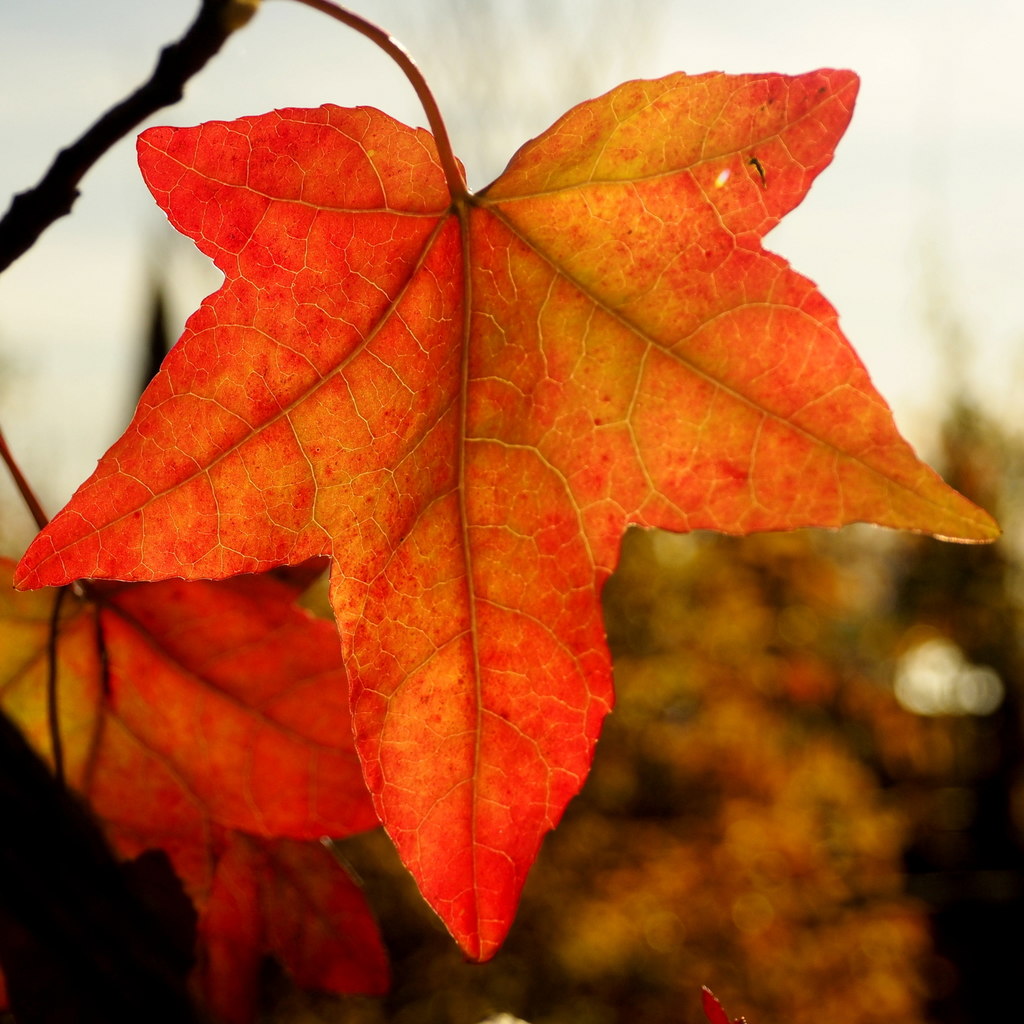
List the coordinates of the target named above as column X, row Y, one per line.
column 713, row 1009
column 464, row 399
column 210, row 720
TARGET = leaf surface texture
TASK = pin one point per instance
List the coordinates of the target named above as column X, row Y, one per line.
column 464, row 402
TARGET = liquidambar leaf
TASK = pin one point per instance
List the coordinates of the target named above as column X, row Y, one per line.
column 465, row 400
column 209, row 720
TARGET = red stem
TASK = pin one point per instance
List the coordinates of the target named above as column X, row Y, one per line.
column 452, row 172
column 22, row 484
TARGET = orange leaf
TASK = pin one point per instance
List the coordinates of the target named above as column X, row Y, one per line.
column 465, row 400
column 210, row 719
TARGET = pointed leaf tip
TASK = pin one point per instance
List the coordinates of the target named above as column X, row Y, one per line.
column 712, row 1007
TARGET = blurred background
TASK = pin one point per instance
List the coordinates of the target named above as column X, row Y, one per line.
column 810, row 796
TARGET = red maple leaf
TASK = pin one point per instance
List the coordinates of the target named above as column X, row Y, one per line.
column 465, row 399
column 210, row 720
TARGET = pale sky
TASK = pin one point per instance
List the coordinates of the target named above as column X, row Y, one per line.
column 919, row 216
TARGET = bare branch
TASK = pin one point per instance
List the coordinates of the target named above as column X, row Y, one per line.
column 31, row 212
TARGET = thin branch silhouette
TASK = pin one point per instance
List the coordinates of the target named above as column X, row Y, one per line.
column 33, row 211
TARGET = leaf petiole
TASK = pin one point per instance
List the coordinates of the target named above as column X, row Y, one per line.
column 452, row 171
column 27, row 494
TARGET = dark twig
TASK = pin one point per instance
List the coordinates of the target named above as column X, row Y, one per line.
column 52, row 708
column 31, row 212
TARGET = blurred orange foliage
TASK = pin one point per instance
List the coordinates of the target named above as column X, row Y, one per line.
column 741, row 827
